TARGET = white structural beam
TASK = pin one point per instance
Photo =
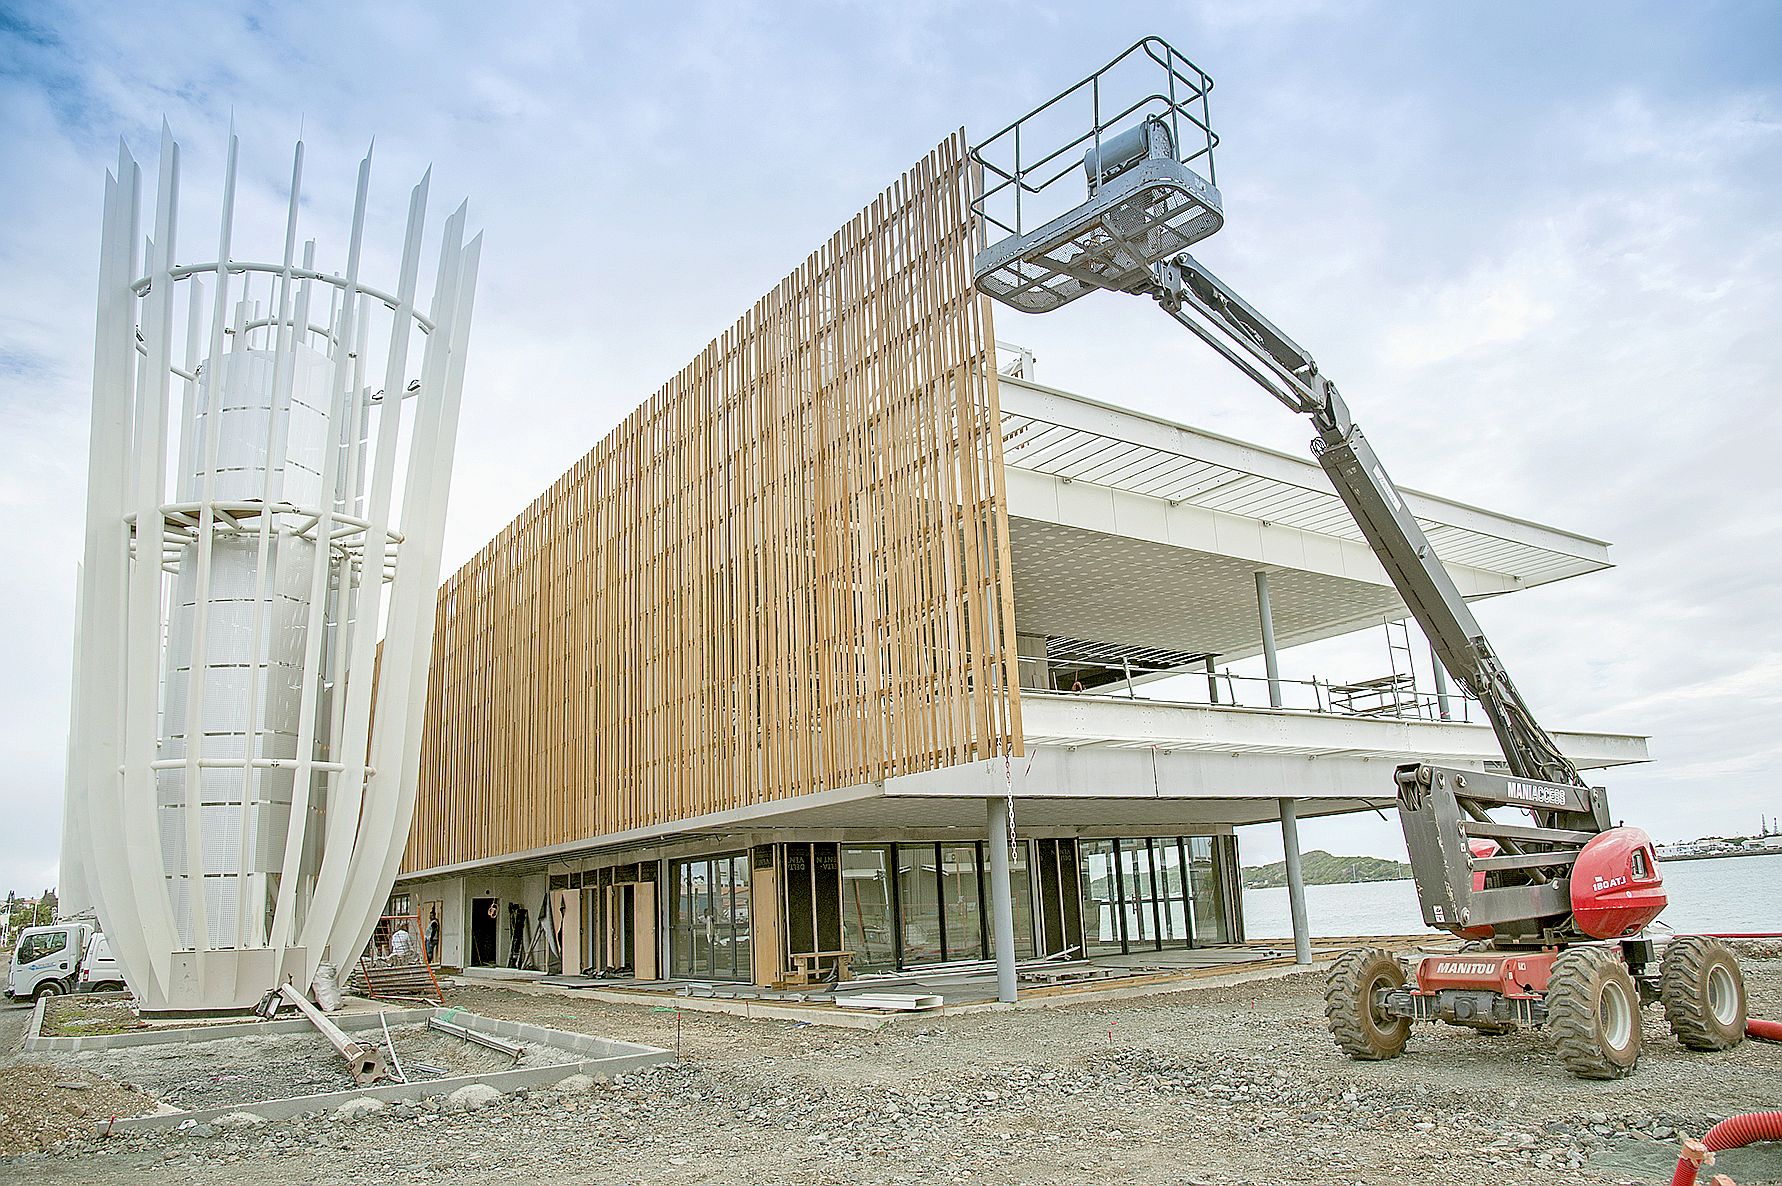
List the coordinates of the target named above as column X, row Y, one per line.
column 1083, row 721
column 1229, row 767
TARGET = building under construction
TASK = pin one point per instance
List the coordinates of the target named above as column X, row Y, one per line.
column 755, row 689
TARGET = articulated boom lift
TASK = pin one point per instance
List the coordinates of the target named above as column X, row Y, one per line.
column 1555, row 907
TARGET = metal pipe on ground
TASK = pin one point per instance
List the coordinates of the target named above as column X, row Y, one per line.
column 513, row 1050
column 390, row 1045
column 364, row 1063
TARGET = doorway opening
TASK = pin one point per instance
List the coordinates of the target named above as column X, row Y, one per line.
column 485, row 917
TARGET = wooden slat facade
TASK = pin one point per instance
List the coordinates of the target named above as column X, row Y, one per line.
column 786, row 572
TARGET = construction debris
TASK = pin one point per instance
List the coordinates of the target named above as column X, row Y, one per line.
column 394, row 965
column 513, row 1049
column 364, row 1063
column 899, row 1002
column 390, row 1045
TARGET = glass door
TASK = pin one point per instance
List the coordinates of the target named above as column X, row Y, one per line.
column 1102, row 930
column 1172, row 889
column 1208, row 894
column 709, row 918
column 869, row 917
column 962, row 894
column 918, row 894
column 1138, row 894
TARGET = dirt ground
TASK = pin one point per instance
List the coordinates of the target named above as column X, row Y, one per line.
column 1233, row 1085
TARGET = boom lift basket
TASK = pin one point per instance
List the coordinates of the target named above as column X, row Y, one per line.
column 1143, row 162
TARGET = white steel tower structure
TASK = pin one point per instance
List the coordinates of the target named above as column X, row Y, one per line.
column 271, row 451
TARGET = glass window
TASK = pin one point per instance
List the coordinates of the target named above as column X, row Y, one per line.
column 682, row 912
column 709, row 918
column 1208, row 892
column 918, row 893
column 1022, row 893
column 962, row 901
column 1101, row 899
column 868, row 920
column 1172, row 890
column 1138, row 895
column 35, row 947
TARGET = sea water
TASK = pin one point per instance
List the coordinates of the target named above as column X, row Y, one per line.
column 1718, row 894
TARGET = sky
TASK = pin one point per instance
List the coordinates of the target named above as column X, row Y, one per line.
column 1538, row 246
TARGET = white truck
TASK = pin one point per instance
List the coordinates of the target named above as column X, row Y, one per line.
column 47, row 960
column 99, row 971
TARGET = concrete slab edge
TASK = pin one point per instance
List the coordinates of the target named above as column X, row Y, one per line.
column 1165, row 987
column 737, row 1007
column 841, row 1019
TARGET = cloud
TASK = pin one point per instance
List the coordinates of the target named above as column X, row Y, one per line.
column 1544, row 290
column 1497, row 305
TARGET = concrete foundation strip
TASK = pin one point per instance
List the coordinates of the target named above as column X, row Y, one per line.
column 598, row 1058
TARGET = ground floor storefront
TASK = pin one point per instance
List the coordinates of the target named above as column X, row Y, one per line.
column 763, row 908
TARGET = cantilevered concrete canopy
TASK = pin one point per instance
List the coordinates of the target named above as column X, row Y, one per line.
column 1130, row 529
column 1107, row 765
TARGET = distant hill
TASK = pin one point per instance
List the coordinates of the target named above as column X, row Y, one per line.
column 1321, row 868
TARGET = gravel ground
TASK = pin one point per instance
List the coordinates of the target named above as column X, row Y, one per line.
column 1235, row 1085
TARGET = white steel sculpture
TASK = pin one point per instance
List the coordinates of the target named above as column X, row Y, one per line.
column 271, row 451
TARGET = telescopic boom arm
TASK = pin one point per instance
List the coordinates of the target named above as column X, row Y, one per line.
column 1477, row 876
column 1223, row 320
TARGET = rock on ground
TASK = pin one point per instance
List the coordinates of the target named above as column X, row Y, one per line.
column 472, row 1097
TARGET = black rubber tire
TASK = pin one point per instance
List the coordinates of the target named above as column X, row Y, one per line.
column 1593, row 1013
column 1703, row 993
column 49, row 988
column 1360, row 1030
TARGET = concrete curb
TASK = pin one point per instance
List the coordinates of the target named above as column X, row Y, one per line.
column 601, row 1058
column 37, row 1043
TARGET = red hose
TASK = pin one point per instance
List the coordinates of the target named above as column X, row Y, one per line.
column 1769, row 1031
column 1743, row 934
column 1735, row 1132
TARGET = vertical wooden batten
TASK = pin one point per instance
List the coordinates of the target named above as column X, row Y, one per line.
column 786, row 572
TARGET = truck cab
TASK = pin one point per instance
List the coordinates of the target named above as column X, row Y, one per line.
column 47, row 960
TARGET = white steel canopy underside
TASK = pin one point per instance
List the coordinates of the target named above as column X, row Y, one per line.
column 1127, row 528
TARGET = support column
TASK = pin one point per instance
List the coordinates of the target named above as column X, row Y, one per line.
column 1212, row 681
column 1268, row 640
column 1296, row 882
column 1441, row 683
column 1002, row 902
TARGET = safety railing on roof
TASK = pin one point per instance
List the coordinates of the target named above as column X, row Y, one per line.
column 1389, row 697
